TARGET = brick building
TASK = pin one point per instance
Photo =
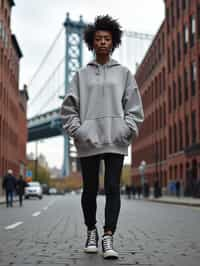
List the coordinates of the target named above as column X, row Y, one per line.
column 13, row 129
column 169, row 79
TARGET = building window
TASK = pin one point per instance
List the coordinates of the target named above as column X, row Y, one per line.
column 170, row 173
column 185, row 38
column 172, row 13
column 161, row 115
column 156, row 87
column 167, row 18
column 163, row 43
column 1, row 29
column 180, row 135
column 181, row 171
column 192, row 30
column 173, row 54
column 193, row 127
column 179, row 46
column 159, row 49
column 165, row 148
column 175, row 172
column 163, row 77
column 198, row 20
column 169, row 100
column 170, row 140
column 185, row 85
column 160, row 83
column 187, row 139
column 177, row 9
column 193, row 76
column 169, row 60
column 175, row 139
column 179, row 91
column 183, row 4
column 164, row 115
column 174, row 95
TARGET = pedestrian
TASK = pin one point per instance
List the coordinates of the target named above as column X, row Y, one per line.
column 9, row 185
column 133, row 190
column 178, row 188
column 128, row 191
column 101, row 111
column 21, row 184
column 146, row 189
column 139, row 191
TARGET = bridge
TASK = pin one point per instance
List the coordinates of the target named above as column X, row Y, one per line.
column 64, row 57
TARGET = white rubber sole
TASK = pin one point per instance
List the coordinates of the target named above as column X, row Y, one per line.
column 91, row 249
column 110, row 254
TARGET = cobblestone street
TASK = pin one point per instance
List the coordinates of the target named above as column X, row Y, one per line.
column 52, row 233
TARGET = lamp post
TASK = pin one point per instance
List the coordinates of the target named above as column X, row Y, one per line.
column 36, row 160
column 141, row 169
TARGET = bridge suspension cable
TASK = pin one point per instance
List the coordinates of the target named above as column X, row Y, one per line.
column 48, row 80
column 52, row 96
column 46, row 56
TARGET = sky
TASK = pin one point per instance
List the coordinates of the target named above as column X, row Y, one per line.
column 36, row 23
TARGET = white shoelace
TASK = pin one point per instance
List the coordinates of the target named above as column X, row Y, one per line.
column 108, row 243
column 92, row 237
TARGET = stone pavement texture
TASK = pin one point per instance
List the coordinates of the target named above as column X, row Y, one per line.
column 148, row 234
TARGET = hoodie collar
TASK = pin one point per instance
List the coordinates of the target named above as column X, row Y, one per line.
column 110, row 63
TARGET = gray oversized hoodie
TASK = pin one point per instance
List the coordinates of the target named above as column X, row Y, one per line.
column 102, row 109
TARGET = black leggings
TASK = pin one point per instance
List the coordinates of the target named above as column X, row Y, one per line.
column 90, row 172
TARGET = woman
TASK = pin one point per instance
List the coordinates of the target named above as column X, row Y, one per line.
column 101, row 111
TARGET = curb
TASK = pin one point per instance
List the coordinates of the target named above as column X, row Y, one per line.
column 189, row 204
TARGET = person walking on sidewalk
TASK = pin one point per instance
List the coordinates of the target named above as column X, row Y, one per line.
column 9, row 185
column 21, row 184
column 101, row 111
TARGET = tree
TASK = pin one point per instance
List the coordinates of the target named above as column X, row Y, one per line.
column 43, row 174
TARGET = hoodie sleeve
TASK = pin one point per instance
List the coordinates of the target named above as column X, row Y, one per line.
column 70, row 108
column 132, row 104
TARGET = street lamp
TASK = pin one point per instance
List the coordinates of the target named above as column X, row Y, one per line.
column 141, row 169
column 36, row 158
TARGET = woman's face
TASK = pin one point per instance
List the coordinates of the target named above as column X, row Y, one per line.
column 102, row 42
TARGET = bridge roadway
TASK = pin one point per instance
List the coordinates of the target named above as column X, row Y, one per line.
column 45, row 125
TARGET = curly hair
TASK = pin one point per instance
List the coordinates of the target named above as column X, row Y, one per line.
column 106, row 23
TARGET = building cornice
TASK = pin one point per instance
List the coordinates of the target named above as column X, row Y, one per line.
column 11, row 3
column 16, row 46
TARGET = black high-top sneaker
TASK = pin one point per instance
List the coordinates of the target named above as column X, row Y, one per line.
column 107, row 247
column 91, row 245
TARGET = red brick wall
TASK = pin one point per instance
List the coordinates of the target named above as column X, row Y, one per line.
column 13, row 130
column 169, row 105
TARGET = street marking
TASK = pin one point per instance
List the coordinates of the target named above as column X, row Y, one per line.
column 36, row 214
column 45, row 208
column 12, row 226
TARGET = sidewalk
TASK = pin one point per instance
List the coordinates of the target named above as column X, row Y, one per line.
column 187, row 201
column 2, row 199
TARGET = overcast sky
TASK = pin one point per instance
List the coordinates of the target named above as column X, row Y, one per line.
column 36, row 23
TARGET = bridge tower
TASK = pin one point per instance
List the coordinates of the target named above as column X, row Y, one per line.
column 73, row 61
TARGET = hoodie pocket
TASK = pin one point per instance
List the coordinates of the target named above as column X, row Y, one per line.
column 121, row 133
column 88, row 134
column 103, row 131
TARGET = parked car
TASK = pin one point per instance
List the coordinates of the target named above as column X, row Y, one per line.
column 52, row 191
column 33, row 189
